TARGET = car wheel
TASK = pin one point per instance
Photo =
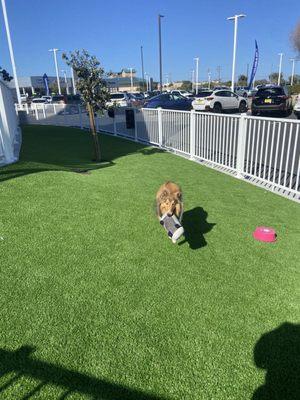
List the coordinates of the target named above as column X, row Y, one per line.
column 242, row 107
column 217, row 108
column 254, row 113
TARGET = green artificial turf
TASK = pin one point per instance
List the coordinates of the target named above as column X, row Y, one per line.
column 97, row 303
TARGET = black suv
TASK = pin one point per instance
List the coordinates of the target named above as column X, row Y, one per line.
column 272, row 99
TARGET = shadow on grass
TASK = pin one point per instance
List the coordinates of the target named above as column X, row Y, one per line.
column 21, row 363
column 196, row 226
column 278, row 353
column 54, row 148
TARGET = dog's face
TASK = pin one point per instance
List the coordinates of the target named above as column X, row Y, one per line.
column 168, row 202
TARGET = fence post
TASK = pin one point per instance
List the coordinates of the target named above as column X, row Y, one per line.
column 36, row 113
column 80, row 116
column 241, row 146
column 54, row 109
column 192, row 134
column 44, row 111
column 159, row 120
column 115, row 123
column 135, row 125
column 27, row 109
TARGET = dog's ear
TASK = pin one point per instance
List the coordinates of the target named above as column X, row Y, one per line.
column 178, row 195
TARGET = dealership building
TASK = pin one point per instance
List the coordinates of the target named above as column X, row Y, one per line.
column 35, row 84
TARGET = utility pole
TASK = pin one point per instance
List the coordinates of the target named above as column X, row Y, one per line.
column 11, row 52
column 235, row 18
column 160, row 51
column 219, row 73
column 208, row 73
column 280, row 67
column 197, row 73
column 56, row 68
column 293, row 70
column 142, row 60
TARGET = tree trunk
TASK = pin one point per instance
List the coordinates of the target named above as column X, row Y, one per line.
column 97, row 153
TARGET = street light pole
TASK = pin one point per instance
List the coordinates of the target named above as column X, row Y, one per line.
column 193, row 79
column 197, row 73
column 66, row 80
column 280, row 66
column 142, row 59
column 160, row 51
column 73, row 81
column 145, row 77
column 235, row 18
column 11, row 52
column 56, row 68
column 131, row 80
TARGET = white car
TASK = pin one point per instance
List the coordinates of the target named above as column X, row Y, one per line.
column 183, row 93
column 297, row 107
column 241, row 91
column 119, row 100
column 218, row 101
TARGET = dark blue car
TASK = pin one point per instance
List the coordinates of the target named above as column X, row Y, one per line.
column 169, row 101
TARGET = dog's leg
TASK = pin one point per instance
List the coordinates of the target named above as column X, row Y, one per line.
column 178, row 211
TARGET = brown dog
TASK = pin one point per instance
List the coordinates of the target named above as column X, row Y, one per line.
column 169, row 200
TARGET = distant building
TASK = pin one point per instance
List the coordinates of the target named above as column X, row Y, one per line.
column 125, row 73
column 35, row 84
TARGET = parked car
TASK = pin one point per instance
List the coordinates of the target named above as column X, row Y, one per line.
column 272, row 99
column 135, row 99
column 241, row 91
column 47, row 98
column 220, row 100
column 119, row 100
column 24, row 98
column 183, row 93
column 58, row 99
column 169, row 101
column 297, row 107
column 38, row 100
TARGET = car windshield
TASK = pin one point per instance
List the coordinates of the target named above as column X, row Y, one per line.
column 204, row 94
column 275, row 91
column 117, row 96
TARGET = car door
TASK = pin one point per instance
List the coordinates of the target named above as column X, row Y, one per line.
column 223, row 98
column 234, row 101
column 179, row 102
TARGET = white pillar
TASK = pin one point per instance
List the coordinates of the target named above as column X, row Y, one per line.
column 11, row 52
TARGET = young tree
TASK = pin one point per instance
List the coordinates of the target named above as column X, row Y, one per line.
column 5, row 75
column 91, row 86
column 274, row 77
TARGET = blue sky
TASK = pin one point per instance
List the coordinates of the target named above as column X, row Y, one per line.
column 114, row 32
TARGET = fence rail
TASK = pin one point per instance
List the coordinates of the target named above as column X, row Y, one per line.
column 263, row 151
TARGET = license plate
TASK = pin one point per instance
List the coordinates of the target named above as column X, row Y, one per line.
column 268, row 101
column 200, row 101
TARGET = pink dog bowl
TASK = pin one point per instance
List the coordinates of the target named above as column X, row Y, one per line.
column 264, row 234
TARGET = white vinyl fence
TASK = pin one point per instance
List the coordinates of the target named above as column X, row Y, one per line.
column 263, row 151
